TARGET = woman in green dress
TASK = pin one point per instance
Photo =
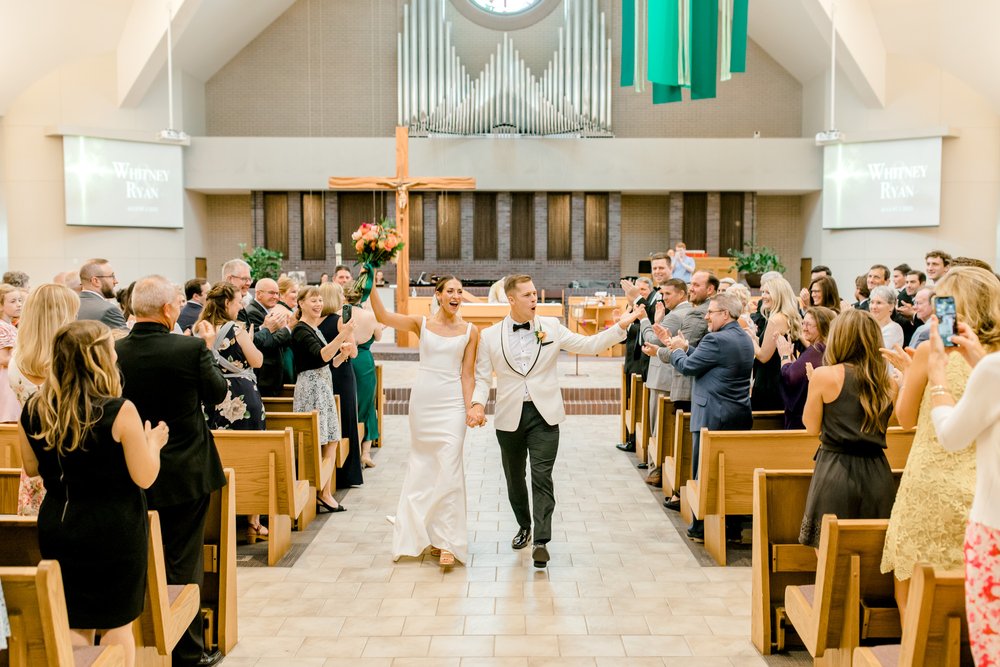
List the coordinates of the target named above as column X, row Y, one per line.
column 367, row 330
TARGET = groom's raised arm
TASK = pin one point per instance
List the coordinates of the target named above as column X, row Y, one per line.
column 580, row 344
column 484, row 371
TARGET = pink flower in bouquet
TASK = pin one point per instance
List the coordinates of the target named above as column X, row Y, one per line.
column 391, row 242
column 359, row 245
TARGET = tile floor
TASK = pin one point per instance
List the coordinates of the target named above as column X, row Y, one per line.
column 622, row 588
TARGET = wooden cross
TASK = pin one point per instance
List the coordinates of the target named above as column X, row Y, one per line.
column 402, row 184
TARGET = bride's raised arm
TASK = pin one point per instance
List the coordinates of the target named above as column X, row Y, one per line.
column 398, row 321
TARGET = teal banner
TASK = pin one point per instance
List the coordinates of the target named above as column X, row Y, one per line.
column 663, row 94
column 628, row 43
column 704, row 48
column 739, row 52
column 662, row 41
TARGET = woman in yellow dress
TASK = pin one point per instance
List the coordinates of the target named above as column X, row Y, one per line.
column 935, row 495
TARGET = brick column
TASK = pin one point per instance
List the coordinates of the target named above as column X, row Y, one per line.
column 676, row 218
column 713, row 221
column 468, row 210
column 749, row 216
column 257, row 204
column 294, row 258
column 503, row 226
column 577, row 213
column 615, row 228
column 541, row 227
column 430, row 227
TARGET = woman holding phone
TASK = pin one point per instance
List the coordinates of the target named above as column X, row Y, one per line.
column 937, row 483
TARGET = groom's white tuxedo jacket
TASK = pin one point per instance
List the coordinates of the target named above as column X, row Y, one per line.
column 495, row 356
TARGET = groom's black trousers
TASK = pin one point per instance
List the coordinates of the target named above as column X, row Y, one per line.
column 538, row 440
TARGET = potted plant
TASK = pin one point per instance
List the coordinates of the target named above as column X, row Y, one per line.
column 753, row 261
column 263, row 263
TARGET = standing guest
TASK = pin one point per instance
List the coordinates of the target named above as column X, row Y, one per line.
column 725, row 284
column 344, row 385
column 923, row 306
column 288, row 295
column 820, row 271
column 848, row 406
column 379, row 278
column 974, row 420
column 877, row 275
column 659, row 269
column 899, row 277
column 795, row 369
column 268, row 331
column 823, row 293
column 195, row 291
column 721, row 366
column 367, row 329
column 635, row 361
column 970, row 261
column 324, row 278
column 124, row 299
column 342, row 275
column 781, row 318
column 496, row 293
column 936, row 482
column 47, row 308
column 79, row 433
column 269, row 375
column 174, row 379
column 683, row 266
column 97, row 288
column 937, row 263
column 881, row 304
column 313, row 384
column 914, row 283
column 861, row 292
column 742, row 292
column 17, row 279
column 10, row 310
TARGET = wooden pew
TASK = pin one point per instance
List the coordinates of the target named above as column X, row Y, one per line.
column 169, row 609
column 311, row 467
column 218, row 592
column 284, row 405
column 10, row 448
column 642, row 426
column 779, row 561
column 623, row 408
column 19, row 541
column 936, row 630
column 633, row 410
column 656, row 449
column 39, row 622
column 677, row 463
column 10, row 483
column 827, row 615
column 277, row 404
column 287, row 390
column 728, row 459
column 344, row 446
column 264, row 463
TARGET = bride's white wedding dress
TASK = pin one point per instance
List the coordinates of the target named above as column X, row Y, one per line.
column 431, row 508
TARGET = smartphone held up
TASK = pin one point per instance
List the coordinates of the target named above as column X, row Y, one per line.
column 944, row 309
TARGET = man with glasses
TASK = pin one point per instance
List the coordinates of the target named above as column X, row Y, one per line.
column 265, row 298
column 97, row 282
column 720, row 366
column 265, row 337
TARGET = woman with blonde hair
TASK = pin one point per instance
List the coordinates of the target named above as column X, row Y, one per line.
column 937, row 483
column 288, row 292
column 11, row 300
column 48, row 307
column 344, row 385
column 780, row 310
column 848, row 407
column 95, row 455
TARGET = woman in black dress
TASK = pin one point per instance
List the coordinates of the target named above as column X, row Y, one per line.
column 94, row 456
column 780, row 309
column 848, row 406
column 345, row 386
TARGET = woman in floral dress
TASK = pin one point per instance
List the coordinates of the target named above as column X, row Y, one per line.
column 236, row 356
column 11, row 299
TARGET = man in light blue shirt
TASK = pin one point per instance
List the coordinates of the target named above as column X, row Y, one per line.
column 683, row 265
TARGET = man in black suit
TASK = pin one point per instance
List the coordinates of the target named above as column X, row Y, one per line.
column 269, row 375
column 237, row 273
column 194, row 291
column 172, row 378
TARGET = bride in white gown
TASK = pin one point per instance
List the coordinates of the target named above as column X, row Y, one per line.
column 431, row 511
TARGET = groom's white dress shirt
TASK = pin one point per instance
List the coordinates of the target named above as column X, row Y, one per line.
column 522, row 343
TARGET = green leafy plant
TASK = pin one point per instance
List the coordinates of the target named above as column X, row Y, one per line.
column 755, row 259
column 263, row 263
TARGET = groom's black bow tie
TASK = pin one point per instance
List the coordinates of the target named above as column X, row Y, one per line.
column 524, row 325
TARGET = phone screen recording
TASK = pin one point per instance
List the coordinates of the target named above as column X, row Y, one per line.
column 944, row 308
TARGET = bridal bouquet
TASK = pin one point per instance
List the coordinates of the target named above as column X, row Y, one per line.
column 376, row 244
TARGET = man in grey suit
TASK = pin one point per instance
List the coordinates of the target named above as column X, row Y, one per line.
column 721, row 366
column 97, row 286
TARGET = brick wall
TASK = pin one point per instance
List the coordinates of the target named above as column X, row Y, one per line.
column 328, row 68
column 230, row 223
column 781, row 228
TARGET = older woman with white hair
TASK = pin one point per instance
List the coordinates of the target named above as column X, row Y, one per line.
column 881, row 304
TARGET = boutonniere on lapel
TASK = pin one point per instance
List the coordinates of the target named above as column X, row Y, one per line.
column 540, row 336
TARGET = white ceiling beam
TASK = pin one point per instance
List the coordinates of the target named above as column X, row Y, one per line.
column 861, row 53
column 142, row 49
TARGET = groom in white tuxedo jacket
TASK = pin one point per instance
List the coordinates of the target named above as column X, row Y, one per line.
column 522, row 350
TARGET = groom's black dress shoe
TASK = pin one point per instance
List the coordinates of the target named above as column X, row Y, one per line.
column 521, row 539
column 540, row 554
column 209, row 659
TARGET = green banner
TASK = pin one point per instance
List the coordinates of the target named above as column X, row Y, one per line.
column 628, row 43
column 704, row 48
column 662, row 94
column 739, row 57
column 662, row 41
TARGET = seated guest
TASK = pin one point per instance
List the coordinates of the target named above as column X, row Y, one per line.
column 823, row 293
column 46, row 310
column 17, row 279
column 10, row 311
column 881, row 304
column 848, row 407
column 271, row 343
column 923, row 309
column 79, row 433
column 721, row 367
column 313, row 384
column 97, row 291
column 195, row 291
column 174, row 379
column 781, row 318
column 344, row 385
column 795, row 369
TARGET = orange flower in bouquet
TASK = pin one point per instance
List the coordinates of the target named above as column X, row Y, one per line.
column 375, row 244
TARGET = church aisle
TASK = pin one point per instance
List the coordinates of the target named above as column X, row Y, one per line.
column 622, row 588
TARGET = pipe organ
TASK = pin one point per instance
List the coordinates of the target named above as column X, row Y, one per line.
column 437, row 95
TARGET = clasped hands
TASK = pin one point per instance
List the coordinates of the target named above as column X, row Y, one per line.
column 475, row 415
column 678, row 342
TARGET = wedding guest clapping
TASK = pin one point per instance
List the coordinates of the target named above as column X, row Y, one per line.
column 795, row 369
column 780, row 310
column 11, row 300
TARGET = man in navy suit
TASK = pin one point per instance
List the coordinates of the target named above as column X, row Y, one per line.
column 720, row 366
